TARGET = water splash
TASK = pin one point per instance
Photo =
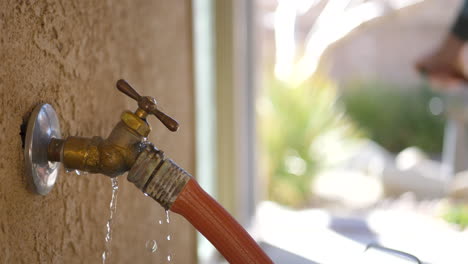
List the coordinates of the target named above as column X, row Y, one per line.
column 152, row 246
column 168, row 237
column 160, row 222
column 113, row 208
column 169, row 258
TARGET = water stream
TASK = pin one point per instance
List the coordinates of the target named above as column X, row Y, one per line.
column 113, row 208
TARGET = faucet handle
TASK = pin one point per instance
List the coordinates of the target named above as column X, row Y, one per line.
column 148, row 104
column 127, row 89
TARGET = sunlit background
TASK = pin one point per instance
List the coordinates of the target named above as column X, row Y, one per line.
column 343, row 153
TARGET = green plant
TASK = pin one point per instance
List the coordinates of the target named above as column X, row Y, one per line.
column 457, row 215
column 292, row 119
column 395, row 117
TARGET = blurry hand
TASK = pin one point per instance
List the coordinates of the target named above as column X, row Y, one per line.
column 443, row 67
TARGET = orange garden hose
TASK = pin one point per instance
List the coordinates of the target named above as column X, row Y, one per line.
column 218, row 226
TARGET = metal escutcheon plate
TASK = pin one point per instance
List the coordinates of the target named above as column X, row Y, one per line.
column 43, row 125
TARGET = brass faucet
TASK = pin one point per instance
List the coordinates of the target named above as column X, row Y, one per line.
column 160, row 178
column 116, row 154
column 126, row 149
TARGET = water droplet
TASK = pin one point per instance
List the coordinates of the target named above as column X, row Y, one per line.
column 168, row 220
column 169, row 237
column 169, row 258
column 160, row 222
column 76, row 172
column 152, row 246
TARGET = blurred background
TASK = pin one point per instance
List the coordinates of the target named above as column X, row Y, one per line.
column 317, row 133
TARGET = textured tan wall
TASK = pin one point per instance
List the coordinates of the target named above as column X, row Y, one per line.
column 69, row 54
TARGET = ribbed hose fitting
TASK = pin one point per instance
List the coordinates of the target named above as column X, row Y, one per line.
column 157, row 176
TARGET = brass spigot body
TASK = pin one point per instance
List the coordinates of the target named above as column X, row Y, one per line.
column 112, row 156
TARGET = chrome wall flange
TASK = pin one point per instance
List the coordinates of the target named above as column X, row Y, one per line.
column 43, row 125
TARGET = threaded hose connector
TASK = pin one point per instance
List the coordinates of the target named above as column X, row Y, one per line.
column 157, row 176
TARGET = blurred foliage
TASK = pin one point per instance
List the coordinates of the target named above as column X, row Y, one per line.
column 292, row 120
column 457, row 214
column 300, row 125
column 395, row 117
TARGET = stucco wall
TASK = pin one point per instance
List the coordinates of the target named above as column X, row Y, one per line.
column 69, row 54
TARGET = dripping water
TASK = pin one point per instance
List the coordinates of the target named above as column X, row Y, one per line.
column 151, row 245
column 168, row 220
column 113, row 208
